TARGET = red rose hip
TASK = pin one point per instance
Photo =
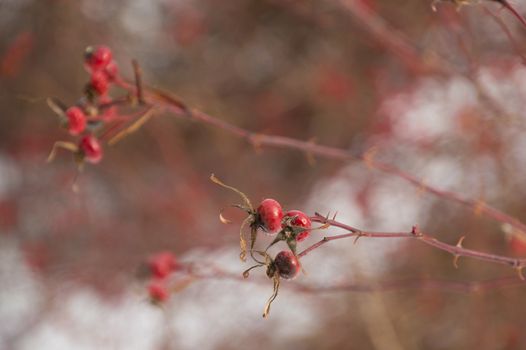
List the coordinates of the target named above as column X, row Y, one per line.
column 157, row 291
column 90, row 149
column 76, row 120
column 99, row 82
column 162, row 264
column 269, row 215
column 112, row 70
column 300, row 219
column 287, row 264
column 97, row 58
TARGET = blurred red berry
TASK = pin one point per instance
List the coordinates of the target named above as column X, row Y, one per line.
column 157, row 291
column 99, row 82
column 518, row 245
column 287, row 264
column 302, row 220
column 90, row 149
column 270, row 215
column 111, row 70
column 162, row 264
column 98, row 57
column 76, row 120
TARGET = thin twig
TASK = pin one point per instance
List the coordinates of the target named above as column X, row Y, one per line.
column 137, row 72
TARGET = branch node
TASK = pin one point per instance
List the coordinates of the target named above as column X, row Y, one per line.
column 358, row 235
column 369, row 156
column 478, row 207
column 415, row 231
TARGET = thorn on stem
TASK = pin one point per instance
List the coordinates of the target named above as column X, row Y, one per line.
column 455, row 260
column 478, row 207
column 519, row 272
column 138, row 80
column 358, row 235
column 459, row 243
column 369, row 156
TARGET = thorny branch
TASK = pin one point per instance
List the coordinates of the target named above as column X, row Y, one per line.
column 172, row 103
column 456, row 250
column 446, row 285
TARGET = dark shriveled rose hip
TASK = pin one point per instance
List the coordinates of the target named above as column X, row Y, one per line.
column 287, row 264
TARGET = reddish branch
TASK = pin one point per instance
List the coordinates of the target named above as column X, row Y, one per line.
column 163, row 100
column 446, row 285
column 413, row 58
column 506, row 31
column 456, row 250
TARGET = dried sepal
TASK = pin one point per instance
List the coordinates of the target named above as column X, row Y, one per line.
column 223, row 219
column 274, row 295
column 246, row 273
column 242, row 240
column 215, row 180
column 136, row 125
column 253, row 236
column 56, row 106
column 68, row 146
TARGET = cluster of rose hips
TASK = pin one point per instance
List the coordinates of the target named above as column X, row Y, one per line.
column 83, row 119
column 157, row 269
column 290, row 227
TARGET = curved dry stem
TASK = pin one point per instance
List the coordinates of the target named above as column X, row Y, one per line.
column 273, row 297
column 136, row 125
column 223, row 219
column 215, row 180
column 56, row 106
column 247, row 271
column 68, row 146
column 242, row 240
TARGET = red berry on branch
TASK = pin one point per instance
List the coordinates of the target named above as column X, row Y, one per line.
column 99, row 82
column 287, row 264
column 162, row 264
column 98, row 57
column 111, row 70
column 269, row 215
column 157, row 291
column 76, row 120
column 300, row 219
column 90, row 149
column 518, row 245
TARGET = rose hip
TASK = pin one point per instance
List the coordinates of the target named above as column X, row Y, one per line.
column 99, row 82
column 269, row 215
column 300, row 219
column 157, row 291
column 90, row 149
column 97, row 58
column 76, row 120
column 287, row 264
column 162, row 264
